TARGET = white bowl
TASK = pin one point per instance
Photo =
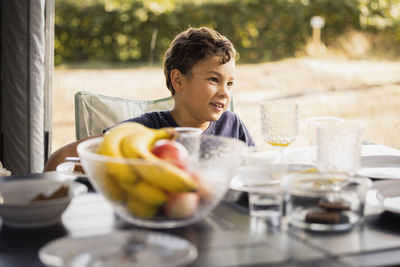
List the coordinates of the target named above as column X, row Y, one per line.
column 18, row 210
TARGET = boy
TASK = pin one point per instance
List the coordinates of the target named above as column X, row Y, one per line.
column 199, row 71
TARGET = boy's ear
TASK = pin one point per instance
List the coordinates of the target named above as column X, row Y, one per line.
column 177, row 79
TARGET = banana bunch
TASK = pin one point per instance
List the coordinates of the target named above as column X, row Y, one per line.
column 146, row 184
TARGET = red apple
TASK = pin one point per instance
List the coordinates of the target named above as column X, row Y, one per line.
column 181, row 205
column 204, row 188
column 171, row 151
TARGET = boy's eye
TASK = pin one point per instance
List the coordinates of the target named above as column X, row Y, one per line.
column 230, row 84
column 214, row 79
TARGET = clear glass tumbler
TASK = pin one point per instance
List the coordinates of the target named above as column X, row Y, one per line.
column 189, row 137
column 339, row 148
column 313, row 123
column 262, row 182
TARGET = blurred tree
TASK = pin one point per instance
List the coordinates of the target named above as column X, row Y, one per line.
column 262, row 30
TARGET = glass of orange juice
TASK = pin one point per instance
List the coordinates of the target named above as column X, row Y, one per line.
column 279, row 123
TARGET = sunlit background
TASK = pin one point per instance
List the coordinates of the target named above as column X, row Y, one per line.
column 346, row 66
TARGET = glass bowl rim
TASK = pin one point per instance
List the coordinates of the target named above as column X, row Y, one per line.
column 82, row 149
column 288, row 186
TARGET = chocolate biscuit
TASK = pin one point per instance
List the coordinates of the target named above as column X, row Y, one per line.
column 323, row 217
column 334, row 206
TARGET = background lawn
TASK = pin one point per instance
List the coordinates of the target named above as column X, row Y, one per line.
column 364, row 91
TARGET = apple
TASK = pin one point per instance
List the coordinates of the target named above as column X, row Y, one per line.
column 181, row 205
column 171, row 151
column 204, row 188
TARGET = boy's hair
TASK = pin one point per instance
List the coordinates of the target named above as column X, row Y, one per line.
column 193, row 45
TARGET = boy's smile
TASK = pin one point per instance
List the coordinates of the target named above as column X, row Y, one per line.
column 204, row 93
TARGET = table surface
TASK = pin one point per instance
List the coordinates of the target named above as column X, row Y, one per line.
column 227, row 237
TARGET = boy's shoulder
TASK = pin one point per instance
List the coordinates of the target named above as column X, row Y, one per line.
column 229, row 115
column 228, row 121
column 238, row 128
column 154, row 114
column 230, row 125
column 156, row 119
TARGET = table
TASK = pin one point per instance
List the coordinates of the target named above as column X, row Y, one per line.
column 227, row 237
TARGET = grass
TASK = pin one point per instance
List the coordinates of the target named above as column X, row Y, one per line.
column 359, row 90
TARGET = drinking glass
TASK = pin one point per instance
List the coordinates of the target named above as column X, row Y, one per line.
column 262, row 183
column 313, row 124
column 339, row 148
column 279, row 123
column 189, row 137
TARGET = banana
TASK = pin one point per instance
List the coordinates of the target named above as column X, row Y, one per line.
column 111, row 146
column 112, row 189
column 113, row 137
column 155, row 171
column 133, row 140
column 146, row 193
column 140, row 209
column 166, row 176
column 122, row 173
column 138, row 144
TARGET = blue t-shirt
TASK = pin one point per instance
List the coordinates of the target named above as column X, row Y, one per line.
column 229, row 124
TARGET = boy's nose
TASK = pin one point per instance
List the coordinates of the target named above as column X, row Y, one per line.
column 224, row 91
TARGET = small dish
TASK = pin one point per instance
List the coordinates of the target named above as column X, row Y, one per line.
column 18, row 208
column 325, row 202
column 119, row 248
column 71, row 168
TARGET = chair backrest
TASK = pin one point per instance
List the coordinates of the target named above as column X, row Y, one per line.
column 95, row 112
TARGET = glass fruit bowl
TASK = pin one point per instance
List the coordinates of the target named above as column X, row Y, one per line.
column 147, row 193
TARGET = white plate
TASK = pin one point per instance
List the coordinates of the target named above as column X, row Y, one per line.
column 241, row 181
column 380, row 167
column 388, row 192
column 392, row 204
column 119, row 248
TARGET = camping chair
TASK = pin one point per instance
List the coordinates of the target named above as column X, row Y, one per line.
column 95, row 112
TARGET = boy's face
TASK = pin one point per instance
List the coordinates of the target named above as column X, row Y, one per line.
column 206, row 89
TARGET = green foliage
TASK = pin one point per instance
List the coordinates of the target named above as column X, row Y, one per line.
column 261, row 30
